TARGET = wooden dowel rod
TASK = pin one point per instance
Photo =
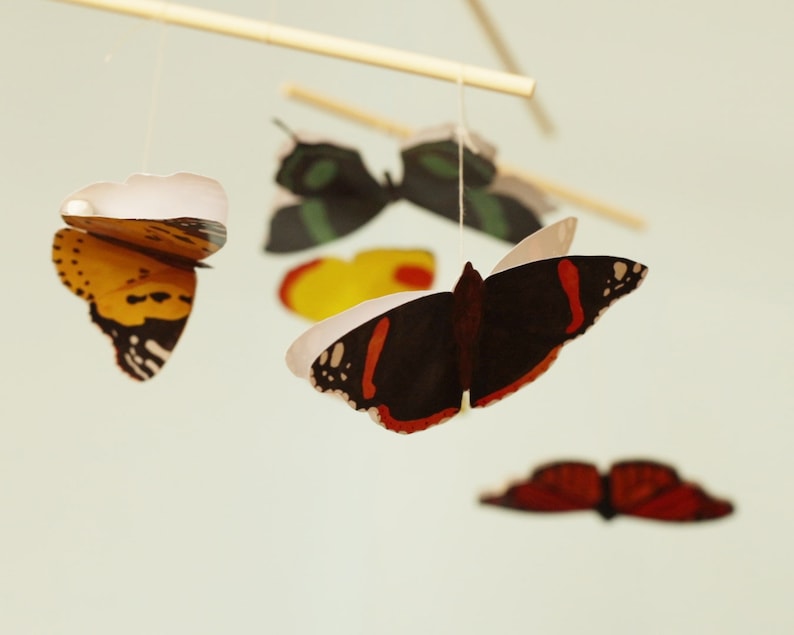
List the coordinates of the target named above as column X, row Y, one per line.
column 575, row 197
column 345, row 110
column 269, row 33
column 536, row 109
column 580, row 199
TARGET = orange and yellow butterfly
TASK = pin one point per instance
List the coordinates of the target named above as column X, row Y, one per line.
column 324, row 287
column 131, row 253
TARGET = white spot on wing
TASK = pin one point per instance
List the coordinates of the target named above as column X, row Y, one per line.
column 135, row 367
column 153, row 346
column 336, row 354
column 620, row 269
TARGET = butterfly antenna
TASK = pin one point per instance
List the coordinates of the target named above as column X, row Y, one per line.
column 284, row 127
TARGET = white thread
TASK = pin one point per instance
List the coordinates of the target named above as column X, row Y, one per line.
column 155, row 93
column 462, row 134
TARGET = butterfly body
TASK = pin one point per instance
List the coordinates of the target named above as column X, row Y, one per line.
column 334, row 194
column 640, row 488
column 409, row 366
column 138, row 274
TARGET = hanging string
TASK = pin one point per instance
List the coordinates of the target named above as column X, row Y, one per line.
column 155, row 92
column 461, row 132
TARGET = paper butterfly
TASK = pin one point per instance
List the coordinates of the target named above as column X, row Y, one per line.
column 132, row 256
column 645, row 489
column 407, row 359
column 335, row 194
column 326, row 286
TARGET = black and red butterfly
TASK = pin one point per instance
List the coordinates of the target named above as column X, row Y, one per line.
column 641, row 488
column 333, row 193
column 408, row 358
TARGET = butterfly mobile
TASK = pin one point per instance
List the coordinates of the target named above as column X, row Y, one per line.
column 408, row 358
column 131, row 253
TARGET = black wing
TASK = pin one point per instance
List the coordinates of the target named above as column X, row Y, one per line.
column 430, row 179
column 531, row 311
column 336, row 195
column 401, row 367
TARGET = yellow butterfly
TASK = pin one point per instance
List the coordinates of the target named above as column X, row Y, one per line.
column 132, row 256
column 326, row 286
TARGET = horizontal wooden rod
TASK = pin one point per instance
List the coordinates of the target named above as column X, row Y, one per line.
column 270, row 33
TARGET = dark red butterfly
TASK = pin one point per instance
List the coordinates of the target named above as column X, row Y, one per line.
column 641, row 488
column 407, row 359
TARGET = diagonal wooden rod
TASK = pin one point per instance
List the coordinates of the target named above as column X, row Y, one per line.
column 270, row 33
column 397, row 129
column 536, row 109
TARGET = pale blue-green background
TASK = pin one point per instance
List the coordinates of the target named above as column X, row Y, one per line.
column 226, row 496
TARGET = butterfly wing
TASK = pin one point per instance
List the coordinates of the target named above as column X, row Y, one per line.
column 556, row 487
column 184, row 239
column 335, row 196
column 532, row 310
column 652, row 490
column 303, row 352
column 137, row 274
column 551, row 241
column 430, row 179
column 140, row 302
column 400, row 366
column 327, row 286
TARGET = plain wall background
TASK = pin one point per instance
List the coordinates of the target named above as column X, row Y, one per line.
column 226, row 496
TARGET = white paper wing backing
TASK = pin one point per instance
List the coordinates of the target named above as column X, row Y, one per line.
column 553, row 241
column 152, row 197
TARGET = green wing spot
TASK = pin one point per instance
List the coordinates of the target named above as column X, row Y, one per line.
column 439, row 166
column 489, row 212
column 320, row 174
column 480, row 165
column 315, row 220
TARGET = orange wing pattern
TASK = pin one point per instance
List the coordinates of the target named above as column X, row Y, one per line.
column 138, row 275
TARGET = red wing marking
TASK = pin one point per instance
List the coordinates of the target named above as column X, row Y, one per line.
column 532, row 375
column 569, row 278
column 374, row 349
column 414, row 425
column 413, row 276
column 558, row 487
column 292, row 277
column 682, row 503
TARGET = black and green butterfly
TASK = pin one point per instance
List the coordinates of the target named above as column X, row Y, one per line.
column 335, row 194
